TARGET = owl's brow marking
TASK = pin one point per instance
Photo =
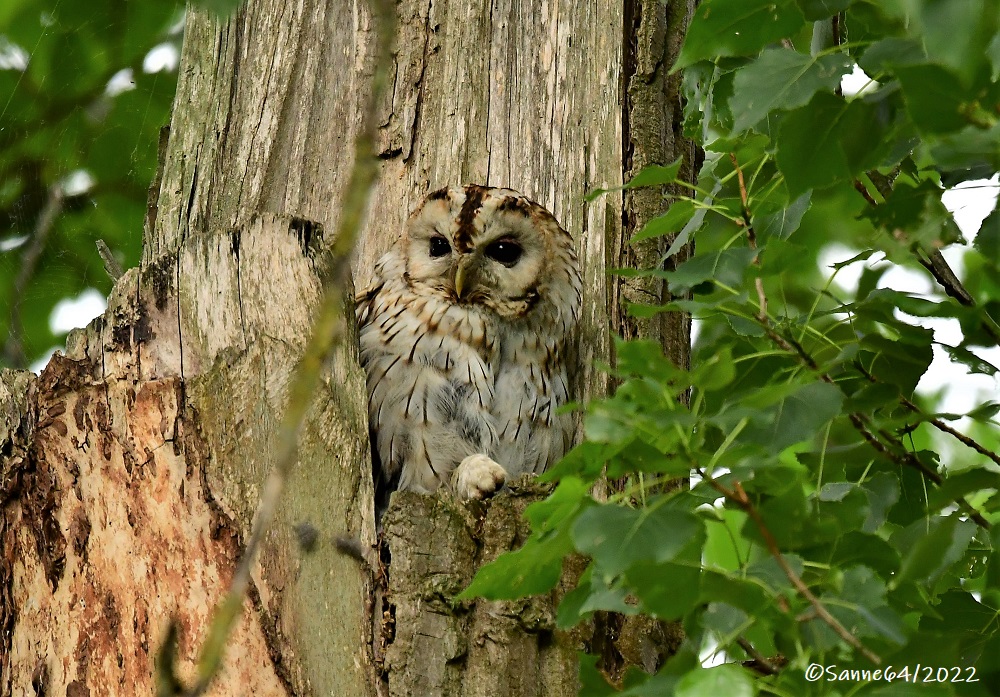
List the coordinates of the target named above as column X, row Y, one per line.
column 474, row 196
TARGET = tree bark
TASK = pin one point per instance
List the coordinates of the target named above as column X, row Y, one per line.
column 130, row 469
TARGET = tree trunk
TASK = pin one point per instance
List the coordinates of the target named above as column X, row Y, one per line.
column 130, row 469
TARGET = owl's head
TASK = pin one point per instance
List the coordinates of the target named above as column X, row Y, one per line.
column 493, row 248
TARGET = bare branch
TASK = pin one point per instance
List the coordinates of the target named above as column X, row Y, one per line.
column 14, row 348
column 760, row 663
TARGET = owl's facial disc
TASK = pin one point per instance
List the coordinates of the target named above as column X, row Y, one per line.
column 481, row 247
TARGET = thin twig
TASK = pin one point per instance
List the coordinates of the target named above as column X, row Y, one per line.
column 934, row 421
column 14, row 348
column 933, row 260
column 863, row 190
column 327, row 333
column 751, row 236
column 739, row 496
column 111, row 265
column 760, row 663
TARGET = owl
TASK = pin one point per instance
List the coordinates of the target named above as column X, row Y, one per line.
column 464, row 334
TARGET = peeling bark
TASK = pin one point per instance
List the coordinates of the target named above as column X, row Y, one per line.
column 130, row 469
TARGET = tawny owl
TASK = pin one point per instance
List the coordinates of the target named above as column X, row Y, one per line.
column 464, row 333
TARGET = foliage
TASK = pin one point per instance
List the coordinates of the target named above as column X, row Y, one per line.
column 79, row 134
column 832, row 516
column 80, row 118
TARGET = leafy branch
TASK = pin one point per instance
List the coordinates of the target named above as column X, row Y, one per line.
column 751, row 237
column 933, row 261
column 739, row 496
column 895, row 450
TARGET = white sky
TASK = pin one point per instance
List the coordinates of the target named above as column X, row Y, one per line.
column 970, row 203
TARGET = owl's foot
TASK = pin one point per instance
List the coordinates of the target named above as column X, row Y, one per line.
column 478, row 477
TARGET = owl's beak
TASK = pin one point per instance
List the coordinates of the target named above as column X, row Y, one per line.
column 459, row 278
column 462, row 275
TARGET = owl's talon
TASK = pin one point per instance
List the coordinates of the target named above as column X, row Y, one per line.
column 478, row 477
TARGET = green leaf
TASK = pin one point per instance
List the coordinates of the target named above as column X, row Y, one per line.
column 680, row 596
column 771, row 574
column 737, row 28
column 987, row 242
column 970, row 147
column 943, row 20
column 783, row 79
column 822, row 9
column 145, row 25
column 827, row 141
column 724, row 548
column 671, row 221
column 727, row 266
column 962, row 484
column 786, row 221
column 656, row 175
column 10, row 9
column 993, row 53
column 535, row 567
column 783, row 415
column 618, row 537
column 934, row 97
column 888, row 53
column 592, row 680
column 745, row 327
column 974, row 363
column 993, row 566
column 750, row 596
column 716, row 371
column 984, row 412
column 883, row 493
column 726, row 679
column 900, row 363
column 866, row 549
column 653, row 175
column 929, row 547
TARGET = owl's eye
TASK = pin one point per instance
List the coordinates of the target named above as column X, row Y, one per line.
column 439, row 246
column 506, row 251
